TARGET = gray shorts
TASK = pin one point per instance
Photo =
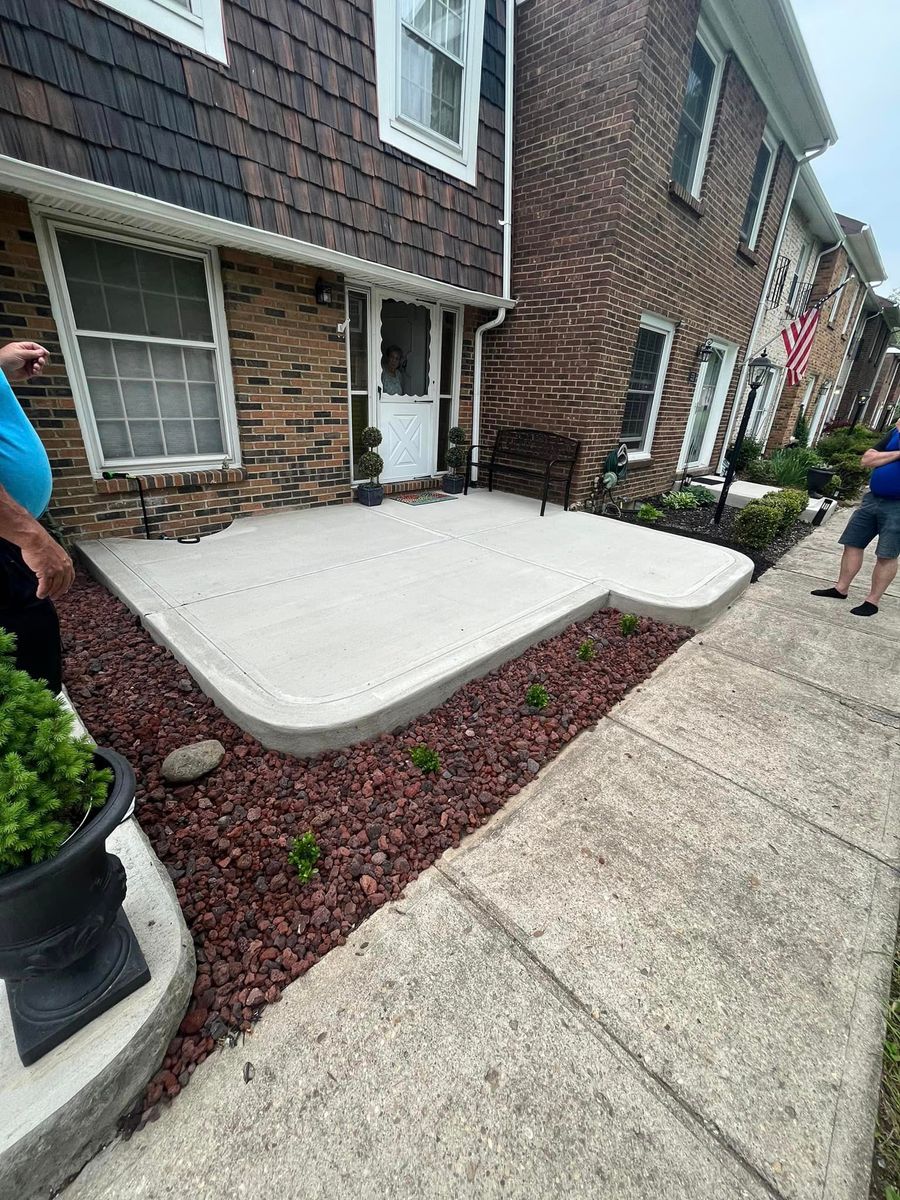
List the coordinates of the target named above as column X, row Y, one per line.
column 877, row 516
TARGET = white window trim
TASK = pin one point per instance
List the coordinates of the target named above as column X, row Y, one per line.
column 45, row 225
column 203, row 28
column 769, row 139
column 836, row 302
column 658, row 325
column 851, row 307
column 717, row 54
column 393, row 128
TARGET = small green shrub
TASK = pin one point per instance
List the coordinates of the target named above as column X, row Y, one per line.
column 701, row 494
column 425, row 759
column 48, row 781
column 683, row 499
column 841, row 441
column 801, row 429
column 628, row 624
column 537, row 696
column 648, row 514
column 304, row 855
column 760, row 471
column 751, row 450
column 853, row 477
column 370, row 466
column 791, row 502
column 789, row 465
column 586, row 651
column 758, row 523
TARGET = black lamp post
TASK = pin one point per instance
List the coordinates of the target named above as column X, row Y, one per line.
column 862, row 401
column 757, row 369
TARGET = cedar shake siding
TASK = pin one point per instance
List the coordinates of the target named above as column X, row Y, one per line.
column 283, row 138
column 599, row 238
column 289, row 370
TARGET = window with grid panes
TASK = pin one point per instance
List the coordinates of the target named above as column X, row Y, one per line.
column 432, row 60
column 696, row 114
column 145, row 333
column 639, row 398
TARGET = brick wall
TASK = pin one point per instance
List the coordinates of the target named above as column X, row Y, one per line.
column 826, row 357
column 866, row 367
column 598, row 239
column 290, row 384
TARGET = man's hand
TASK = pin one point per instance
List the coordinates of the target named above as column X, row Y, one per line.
column 23, row 360
column 49, row 562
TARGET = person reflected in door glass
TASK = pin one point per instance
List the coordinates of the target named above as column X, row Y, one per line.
column 393, row 377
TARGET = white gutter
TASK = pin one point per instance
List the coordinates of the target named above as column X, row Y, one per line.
column 760, row 311
column 54, row 191
column 497, row 321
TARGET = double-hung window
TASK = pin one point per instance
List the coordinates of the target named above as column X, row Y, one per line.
column 428, row 64
column 697, row 113
column 645, row 384
column 759, row 190
column 198, row 24
column 144, row 336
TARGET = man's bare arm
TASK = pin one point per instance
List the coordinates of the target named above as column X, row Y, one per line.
column 40, row 552
column 879, row 458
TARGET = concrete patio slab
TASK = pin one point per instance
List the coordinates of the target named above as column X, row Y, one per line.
column 738, row 720
column 855, row 664
column 429, row 1057
column 718, row 939
column 314, row 629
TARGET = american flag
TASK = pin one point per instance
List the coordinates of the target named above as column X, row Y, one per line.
column 798, row 340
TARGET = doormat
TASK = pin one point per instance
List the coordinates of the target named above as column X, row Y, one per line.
column 421, row 497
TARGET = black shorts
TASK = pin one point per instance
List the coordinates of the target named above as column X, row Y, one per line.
column 33, row 621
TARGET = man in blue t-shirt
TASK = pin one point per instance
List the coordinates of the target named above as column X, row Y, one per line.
column 877, row 516
column 34, row 569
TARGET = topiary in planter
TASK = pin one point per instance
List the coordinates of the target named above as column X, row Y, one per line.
column 48, row 780
column 456, row 460
column 370, row 465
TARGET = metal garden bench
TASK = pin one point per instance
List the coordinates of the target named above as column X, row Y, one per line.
column 547, row 458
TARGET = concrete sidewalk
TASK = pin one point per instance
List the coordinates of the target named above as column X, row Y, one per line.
column 659, row 973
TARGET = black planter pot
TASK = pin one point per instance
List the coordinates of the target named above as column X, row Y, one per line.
column 453, row 484
column 369, row 494
column 818, row 480
column 67, row 951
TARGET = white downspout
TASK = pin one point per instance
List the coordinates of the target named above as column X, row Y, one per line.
column 758, row 319
column 496, row 321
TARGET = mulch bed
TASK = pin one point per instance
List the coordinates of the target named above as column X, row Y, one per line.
column 378, row 819
column 698, row 523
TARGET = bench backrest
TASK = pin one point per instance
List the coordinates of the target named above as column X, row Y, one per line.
column 536, row 443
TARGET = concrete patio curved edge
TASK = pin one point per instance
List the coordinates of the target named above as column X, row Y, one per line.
column 330, row 627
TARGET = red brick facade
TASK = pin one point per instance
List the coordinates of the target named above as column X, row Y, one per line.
column 599, row 239
column 867, row 362
column 290, row 383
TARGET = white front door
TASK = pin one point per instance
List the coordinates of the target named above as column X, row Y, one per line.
column 405, row 356
column 764, row 406
column 713, row 381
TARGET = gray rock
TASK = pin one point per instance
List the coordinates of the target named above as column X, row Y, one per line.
column 190, row 762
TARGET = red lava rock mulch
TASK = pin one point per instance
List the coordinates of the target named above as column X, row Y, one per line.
column 378, row 819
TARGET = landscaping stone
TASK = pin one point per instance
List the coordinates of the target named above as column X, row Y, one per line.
column 238, row 895
column 188, row 763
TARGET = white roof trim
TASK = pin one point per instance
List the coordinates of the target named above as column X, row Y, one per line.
column 70, row 193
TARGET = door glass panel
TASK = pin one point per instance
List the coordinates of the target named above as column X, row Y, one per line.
column 448, row 346
column 703, row 405
column 358, row 366
column 405, row 348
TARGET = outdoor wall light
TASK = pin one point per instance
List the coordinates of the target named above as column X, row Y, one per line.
column 704, row 352
column 323, row 292
column 757, row 369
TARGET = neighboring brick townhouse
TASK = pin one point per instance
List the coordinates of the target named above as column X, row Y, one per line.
column 823, row 255
column 654, row 159
column 879, row 322
column 219, row 216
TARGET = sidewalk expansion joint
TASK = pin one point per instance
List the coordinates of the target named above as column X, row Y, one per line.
column 790, row 813
column 688, row 1116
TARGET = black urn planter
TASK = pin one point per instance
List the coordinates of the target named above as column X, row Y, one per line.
column 818, row 480
column 369, row 494
column 67, row 950
column 453, row 484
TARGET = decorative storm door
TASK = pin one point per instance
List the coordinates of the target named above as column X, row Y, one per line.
column 405, row 367
column 713, row 381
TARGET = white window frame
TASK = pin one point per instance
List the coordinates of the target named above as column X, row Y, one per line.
column 717, row 54
column 399, row 131
column 658, row 325
column 851, row 307
column 45, row 227
column 799, row 280
column 200, row 27
column 771, row 142
column 836, row 302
